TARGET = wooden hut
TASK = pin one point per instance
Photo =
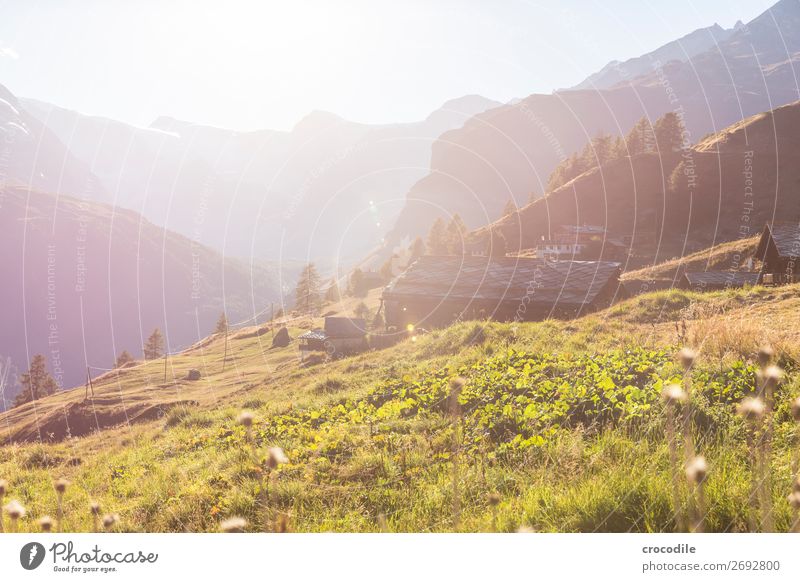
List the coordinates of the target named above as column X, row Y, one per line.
column 779, row 249
column 340, row 336
column 437, row 290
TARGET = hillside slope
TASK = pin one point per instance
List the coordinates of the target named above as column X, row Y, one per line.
column 561, row 421
column 91, row 281
column 725, row 188
column 509, row 152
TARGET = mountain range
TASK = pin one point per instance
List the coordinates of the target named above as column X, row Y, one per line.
column 86, row 281
column 508, row 152
column 329, row 189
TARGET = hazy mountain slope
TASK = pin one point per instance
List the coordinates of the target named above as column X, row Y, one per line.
column 88, row 281
column 511, row 150
column 328, row 188
column 682, row 49
column 31, row 154
column 724, row 189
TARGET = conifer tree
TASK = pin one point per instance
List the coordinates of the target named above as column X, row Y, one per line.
column 154, row 346
column 123, row 359
column 306, row 293
column 36, row 382
column 456, row 231
column 437, row 238
column 222, row 324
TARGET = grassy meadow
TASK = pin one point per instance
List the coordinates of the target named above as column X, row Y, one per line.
column 483, row 426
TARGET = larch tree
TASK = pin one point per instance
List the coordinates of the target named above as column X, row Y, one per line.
column 455, row 233
column 357, row 287
column 307, row 292
column 36, row 382
column 154, row 346
column 222, row 324
column 123, row 359
column 332, row 292
column 437, row 238
column 417, row 249
column 669, row 133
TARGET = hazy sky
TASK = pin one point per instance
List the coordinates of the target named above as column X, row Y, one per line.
column 266, row 64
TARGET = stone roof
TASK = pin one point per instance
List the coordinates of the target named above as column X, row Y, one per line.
column 565, row 283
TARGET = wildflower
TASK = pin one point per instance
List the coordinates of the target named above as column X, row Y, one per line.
column 94, row 507
column 233, row 525
column 796, row 485
column 673, row 394
column 751, row 408
column 796, row 409
column 765, row 355
column 109, row 520
column 687, row 357
column 246, row 419
column 526, row 529
column 46, row 523
column 771, row 375
column 3, row 487
column 15, row 510
column 275, row 457
column 794, row 499
column 282, row 525
column 493, row 499
column 456, row 386
column 697, row 470
column 61, row 486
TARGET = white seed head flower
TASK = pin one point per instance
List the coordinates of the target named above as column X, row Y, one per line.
column 773, row 374
column 765, row 355
column 794, row 499
column 46, row 523
column 61, row 485
column 751, row 408
column 687, row 357
column 246, row 419
column 109, row 520
column 697, row 470
column 94, row 507
column 275, row 457
column 233, row 525
column 673, row 394
column 14, row 509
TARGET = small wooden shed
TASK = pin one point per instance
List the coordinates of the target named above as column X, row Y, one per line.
column 340, row 336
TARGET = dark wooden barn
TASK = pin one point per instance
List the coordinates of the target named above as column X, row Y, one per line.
column 437, row 290
column 779, row 249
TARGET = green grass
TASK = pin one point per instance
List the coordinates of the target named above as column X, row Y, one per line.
column 562, row 419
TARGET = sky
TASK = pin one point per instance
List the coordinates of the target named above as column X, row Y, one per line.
column 264, row 64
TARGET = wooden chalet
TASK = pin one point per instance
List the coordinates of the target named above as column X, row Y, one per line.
column 340, row 336
column 437, row 290
column 779, row 250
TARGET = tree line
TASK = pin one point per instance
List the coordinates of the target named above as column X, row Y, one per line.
column 665, row 135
